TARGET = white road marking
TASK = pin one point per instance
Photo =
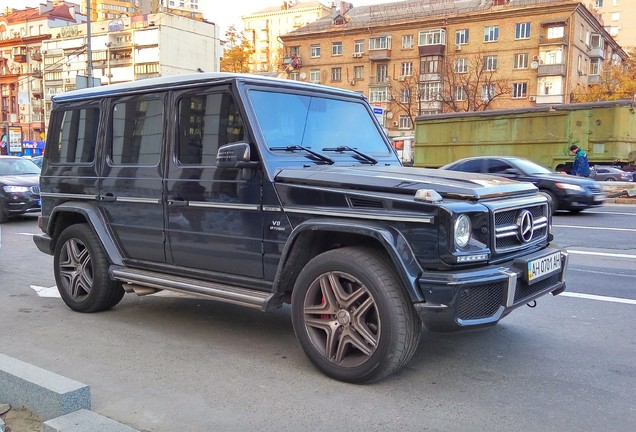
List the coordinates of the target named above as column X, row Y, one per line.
column 598, row 298
column 605, row 254
column 594, row 228
column 46, row 292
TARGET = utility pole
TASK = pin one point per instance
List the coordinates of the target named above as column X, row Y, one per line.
column 89, row 53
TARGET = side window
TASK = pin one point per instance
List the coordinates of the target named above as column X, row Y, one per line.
column 77, row 136
column 207, row 122
column 137, row 132
column 470, row 166
column 495, row 166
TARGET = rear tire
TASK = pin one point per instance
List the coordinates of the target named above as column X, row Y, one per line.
column 352, row 316
column 81, row 271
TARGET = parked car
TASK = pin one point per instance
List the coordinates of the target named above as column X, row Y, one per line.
column 606, row 173
column 566, row 191
column 19, row 187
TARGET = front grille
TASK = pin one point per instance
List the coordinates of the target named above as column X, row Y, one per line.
column 508, row 230
column 35, row 190
column 480, row 301
column 594, row 189
column 525, row 291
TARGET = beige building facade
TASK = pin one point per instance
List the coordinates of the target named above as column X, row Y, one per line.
column 412, row 58
column 264, row 27
column 618, row 17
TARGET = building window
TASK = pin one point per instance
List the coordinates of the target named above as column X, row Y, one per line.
column 429, row 64
column 382, row 73
column 595, row 67
column 520, row 61
column 358, row 72
column 405, row 122
column 490, row 63
column 336, row 74
column 429, row 91
column 522, row 30
column 294, row 51
column 599, row 3
column 461, row 37
column 615, row 2
column 459, row 93
column 407, row 41
column 461, row 65
column 405, row 96
column 596, row 41
column 616, row 16
column 315, row 51
column 555, row 32
column 491, row 33
column 432, row 37
column 407, row 69
column 358, row 46
column 381, row 42
column 336, row 48
column 519, row 90
column 314, row 76
column 378, row 94
column 488, row 91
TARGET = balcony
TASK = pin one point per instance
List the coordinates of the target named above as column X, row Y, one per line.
column 430, row 77
column 20, row 58
column 36, row 55
column 543, row 40
column 551, row 70
column 380, row 54
column 430, row 105
column 550, row 99
column 593, row 79
column 597, row 52
column 379, row 81
column 431, row 50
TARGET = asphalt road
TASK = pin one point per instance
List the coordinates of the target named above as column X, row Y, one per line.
column 170, row 364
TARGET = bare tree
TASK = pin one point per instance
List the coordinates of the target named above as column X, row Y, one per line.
column 403, row 91
column 472, row 82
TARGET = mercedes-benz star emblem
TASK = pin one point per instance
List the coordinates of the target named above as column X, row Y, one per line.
column 525, row 222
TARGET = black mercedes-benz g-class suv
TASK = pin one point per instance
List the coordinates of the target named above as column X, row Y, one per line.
column 260, row 192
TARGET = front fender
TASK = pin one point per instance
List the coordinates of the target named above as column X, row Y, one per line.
column 297, row 253
column 69, row 213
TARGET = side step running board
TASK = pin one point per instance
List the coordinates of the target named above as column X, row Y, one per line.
column 136, row 278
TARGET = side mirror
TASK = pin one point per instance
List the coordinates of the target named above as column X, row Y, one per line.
column 235, row 155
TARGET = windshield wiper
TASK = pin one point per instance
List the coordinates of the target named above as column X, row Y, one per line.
column 359, row 153
column 317, row 155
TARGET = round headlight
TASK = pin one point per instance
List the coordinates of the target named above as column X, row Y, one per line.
column 462, row 231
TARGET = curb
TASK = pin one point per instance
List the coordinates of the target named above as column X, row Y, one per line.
column 62, row 403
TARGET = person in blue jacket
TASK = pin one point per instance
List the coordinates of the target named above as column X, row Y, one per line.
column 581, row 166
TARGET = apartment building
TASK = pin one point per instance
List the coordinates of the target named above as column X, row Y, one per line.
column 616, row 16
column 263, row 28
column 128, row 49
column 418, row 57
column 22, row 33
column 109, row 9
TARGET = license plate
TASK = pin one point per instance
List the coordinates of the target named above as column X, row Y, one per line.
column 544, row 266
column 598, row 198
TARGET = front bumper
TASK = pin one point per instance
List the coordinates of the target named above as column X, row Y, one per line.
column 582, row 201
column 481, row 297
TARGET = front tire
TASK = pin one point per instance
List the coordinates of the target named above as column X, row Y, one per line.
column 81, row 271
column 352, row 316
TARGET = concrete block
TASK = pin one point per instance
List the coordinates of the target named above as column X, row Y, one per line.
column 83, row 421
column 47, row 394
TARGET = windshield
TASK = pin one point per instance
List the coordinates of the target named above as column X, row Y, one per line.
column 11, row 167
column 316, row 122
column 530, row 167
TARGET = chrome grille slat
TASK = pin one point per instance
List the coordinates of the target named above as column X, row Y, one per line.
column 506, row 233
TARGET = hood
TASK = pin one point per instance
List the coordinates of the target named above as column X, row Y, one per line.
column 565, row 178
column 405, row 180
column 20, row 180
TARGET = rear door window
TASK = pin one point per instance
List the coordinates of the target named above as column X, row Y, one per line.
column 137, row 132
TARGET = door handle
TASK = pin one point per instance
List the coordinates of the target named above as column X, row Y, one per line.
column 109, row 197
column 177, row 202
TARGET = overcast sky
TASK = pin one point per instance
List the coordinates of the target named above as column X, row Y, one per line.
column 224, row 13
